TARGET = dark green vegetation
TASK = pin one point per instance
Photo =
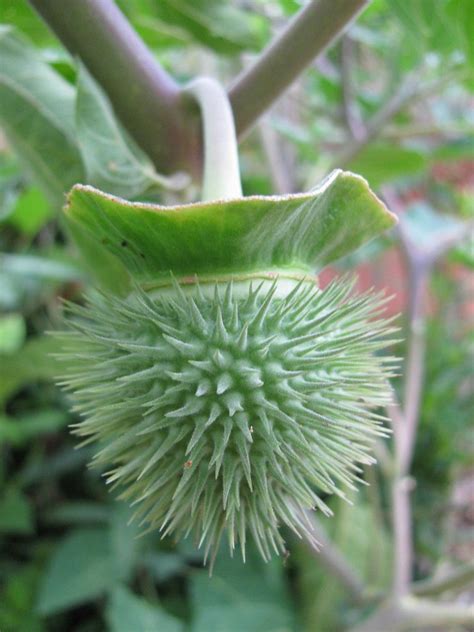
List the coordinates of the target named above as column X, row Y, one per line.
column 390, row 101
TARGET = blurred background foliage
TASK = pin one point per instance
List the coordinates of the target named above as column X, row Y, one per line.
column 392, row 101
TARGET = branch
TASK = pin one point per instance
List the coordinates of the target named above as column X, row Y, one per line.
column 411, row 89
column 411, row 614
column 352, row 116
column 454, row 580
column 406, row 91
column 310, row 32
column 146, row 99
column 407, row 416
column 281, row 171
column 335, row 563
column 424, row 613
column 402, row 535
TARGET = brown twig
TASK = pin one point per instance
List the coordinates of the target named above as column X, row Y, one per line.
column 311, row 31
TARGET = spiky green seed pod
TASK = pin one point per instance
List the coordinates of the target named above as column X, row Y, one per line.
column 231, row 400
column 231, row 411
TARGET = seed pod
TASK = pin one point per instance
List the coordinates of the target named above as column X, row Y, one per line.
column 228, row 404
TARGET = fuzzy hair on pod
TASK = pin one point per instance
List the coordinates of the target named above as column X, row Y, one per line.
column 233, row 412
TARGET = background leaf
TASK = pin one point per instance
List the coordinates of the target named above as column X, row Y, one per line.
column 383, row 163
column 31, row 211
column 16, row 515
column 37, row 115
column 238, row 596
column 35, row 362
column 222, row 27
column 126, row 612
column 12, row 333
column 23, row 428
column 112, row 161
column 81, row 569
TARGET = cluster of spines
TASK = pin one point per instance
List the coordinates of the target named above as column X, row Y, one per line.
column 230, row 413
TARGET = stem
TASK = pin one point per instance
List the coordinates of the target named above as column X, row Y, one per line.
column 397, row 102
column 352, row 116
column 418, row 280
column 146, row 99
column 402, row 535
column 309, row 33
column 410, row 90
column 411, row 614
column 405, row 436
column 419, row 261
column 281, row 171
column 335, row 562
column 424, row 613
column 221, row 160
column 456, row 579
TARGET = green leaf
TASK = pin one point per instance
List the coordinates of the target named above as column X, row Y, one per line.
column 433, row 26
column 78, row 513
column 10, row 183
column 31, row 211
column 20, row 14
column 462, row 14
column 80, row 570
column 112, row 160
column 464, row 253
column 293, row 232
column 219, row 25
column 33, row 362
column 127, row 612
column 124, row 540
column 382, row 163
column 12, row 333
column 156, row 33
column 37, row 115
column 163, row 565
column 26, row 280
column 19, row 430
column 16, row 515
column 17, row 597
column 39, row 267
column 238, row 596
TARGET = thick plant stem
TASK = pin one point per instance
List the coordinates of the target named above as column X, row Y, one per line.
column 308, row 34
column 150, row 103
column 221, row 178
column 146, row 99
